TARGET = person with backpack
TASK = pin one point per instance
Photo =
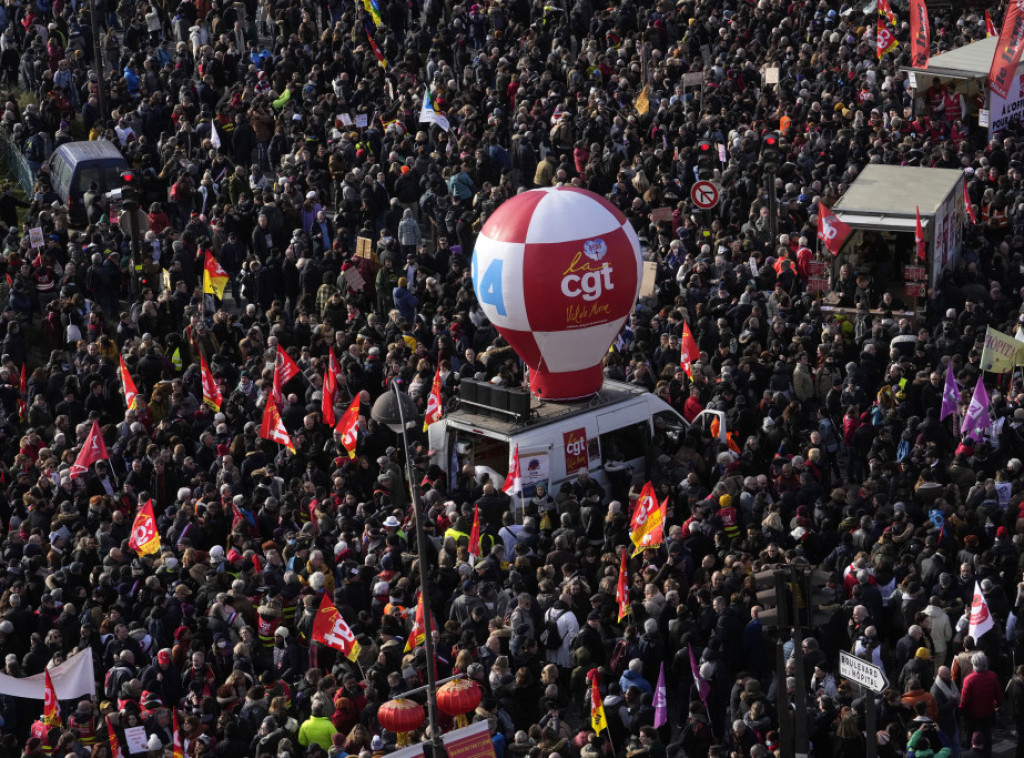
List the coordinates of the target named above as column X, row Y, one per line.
column 559, row 629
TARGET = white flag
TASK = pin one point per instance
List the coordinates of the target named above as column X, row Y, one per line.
column 214, row 136
column 429, row 116
column 980, row 619
column 71, row 679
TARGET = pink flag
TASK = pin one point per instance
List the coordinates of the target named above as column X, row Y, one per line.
column 660, row 701
column 976, row 420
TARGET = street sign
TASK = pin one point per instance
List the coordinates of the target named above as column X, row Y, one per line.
column 704, row 195
column 861, row 672
column 124, row 223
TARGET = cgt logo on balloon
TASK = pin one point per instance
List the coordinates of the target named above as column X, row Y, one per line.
column 557, row 271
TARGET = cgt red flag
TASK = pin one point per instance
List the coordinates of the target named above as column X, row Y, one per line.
column 885, row 40
column 348, row 427
column 968, row 206
column 330, row 389
column 688, row 352
column 145, row 538
column 1008, row 50
column 920, row 35
column 273, row 428
column 434, row 410
column 115, row 744
column 831, row 231
column 179, row 752
column 211, row 392
column 22, row 395
column 93, row 450
column 622, row 590
column 514, row 479
column 474, row 533
column 330, row 629
column 919, row 240
column 51, row 707
column 128, row 383
column 990, row 28
column 885, row 9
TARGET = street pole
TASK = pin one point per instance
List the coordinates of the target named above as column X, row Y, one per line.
column 437, row 746
column 785, row 712
column 800, row 692
column 870, row 719
column 773, row 211
column 97, row 58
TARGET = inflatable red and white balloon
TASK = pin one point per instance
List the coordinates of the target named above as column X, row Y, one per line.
column 557, row 271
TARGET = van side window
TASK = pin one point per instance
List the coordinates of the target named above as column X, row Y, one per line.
column 626, row 443
column 669, row 431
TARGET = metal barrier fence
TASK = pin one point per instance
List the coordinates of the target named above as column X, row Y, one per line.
column 16, row 164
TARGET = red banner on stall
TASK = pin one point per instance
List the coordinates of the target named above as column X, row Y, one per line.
column 920, row 34
column 1008, row 50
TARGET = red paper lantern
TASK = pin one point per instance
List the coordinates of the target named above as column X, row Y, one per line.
column 401, row 716
column 457, row 698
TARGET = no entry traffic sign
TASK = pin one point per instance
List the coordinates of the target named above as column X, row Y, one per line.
column 704, row 195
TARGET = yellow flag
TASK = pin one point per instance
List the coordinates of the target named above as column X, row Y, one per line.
column 1001, row 352
column 642, row 104
column 597, row 719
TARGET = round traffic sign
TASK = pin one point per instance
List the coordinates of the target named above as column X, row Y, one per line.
column 704, row 195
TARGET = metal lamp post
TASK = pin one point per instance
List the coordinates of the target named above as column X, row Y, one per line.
column 396, row 410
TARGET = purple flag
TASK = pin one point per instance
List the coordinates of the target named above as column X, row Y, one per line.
column 950, row 394
column 976, row 421
column 703, row 688
column 660, row 701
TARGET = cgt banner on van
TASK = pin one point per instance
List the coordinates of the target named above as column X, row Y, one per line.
column 576, row 457
column 1008, row 50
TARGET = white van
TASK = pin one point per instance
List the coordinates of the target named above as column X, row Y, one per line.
column 616, row 427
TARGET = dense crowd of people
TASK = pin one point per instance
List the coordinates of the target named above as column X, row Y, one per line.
column 277, row 137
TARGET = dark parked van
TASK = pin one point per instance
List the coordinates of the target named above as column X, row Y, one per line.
column 76, row 165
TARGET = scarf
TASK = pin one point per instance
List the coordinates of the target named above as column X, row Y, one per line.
column 949, row 690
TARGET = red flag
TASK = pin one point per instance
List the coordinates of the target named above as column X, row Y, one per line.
column 418, row 635
column 474, row 533
column 178, row 750
column 514, row 480
column 688, row 351
column 144, row 538
column 51, row 708
column 129, row 385
column 622, row 590
column 211, row 392
column 434, row 409
column 330, row 390
column 330, row 629
column 831, row 230
column 920, row 35
column 968, row 206
column 285, row 369
column 272, row 427
column 115, row 744
column 93, row 450
column 990, row 28
column 919, row 240
column 885, row 9
column 349, row 427
column 285, row 366
column 885, row 40
column 22, row 395
column 648, row 524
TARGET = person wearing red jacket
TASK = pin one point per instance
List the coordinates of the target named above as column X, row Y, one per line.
column 979, row 698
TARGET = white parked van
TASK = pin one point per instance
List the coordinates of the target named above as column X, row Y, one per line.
column 612, row 430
